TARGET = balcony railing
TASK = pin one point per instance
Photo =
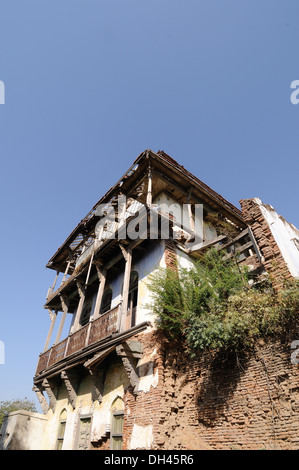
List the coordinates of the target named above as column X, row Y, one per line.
column 94, row 331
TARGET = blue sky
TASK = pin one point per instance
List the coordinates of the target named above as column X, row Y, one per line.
column 91, row 84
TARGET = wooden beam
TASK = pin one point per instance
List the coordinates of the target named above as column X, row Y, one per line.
column 207, row 244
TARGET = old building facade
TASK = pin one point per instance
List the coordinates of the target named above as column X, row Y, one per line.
column 107, row 378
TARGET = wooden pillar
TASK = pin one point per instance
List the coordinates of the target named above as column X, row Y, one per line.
column 64, row 304
column 122, row 208
column 81, row 290
column 190, row 213
column 53, row 317
column 102, row 274
column 125, row 296
column 51, row 289
column 65, row 272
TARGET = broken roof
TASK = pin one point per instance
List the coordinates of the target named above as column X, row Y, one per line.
column 166, row 165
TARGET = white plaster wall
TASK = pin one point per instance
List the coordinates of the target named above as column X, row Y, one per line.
column 153, row 258
column 283, row 233
column 23, row 430
column 142, row 437
column 147, row 378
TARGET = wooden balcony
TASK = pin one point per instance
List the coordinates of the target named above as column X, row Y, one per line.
column 91, row 333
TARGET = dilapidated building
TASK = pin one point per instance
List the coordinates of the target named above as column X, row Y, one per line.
column 112, row 381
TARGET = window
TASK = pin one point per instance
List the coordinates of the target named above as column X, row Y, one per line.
column 132, row 300
column 84, row 319
column 84, row 433
column 106, row 301
column 296, row 242
column 61, row 430
column 117, row 423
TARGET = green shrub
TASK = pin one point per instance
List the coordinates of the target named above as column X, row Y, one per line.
column 211, row 306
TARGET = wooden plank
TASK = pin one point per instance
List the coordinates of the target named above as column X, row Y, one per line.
column 207, row 244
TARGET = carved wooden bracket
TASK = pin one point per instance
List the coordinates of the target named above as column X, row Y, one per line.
column 71, row 382
column 129, row 351
column 98, row 378
column 41, row 398
column 50, row 392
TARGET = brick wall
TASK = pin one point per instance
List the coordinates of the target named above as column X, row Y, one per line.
column 273, row 262
column 250, row 402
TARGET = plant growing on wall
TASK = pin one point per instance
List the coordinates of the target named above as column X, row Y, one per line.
column 211, row 306
column 9, row 406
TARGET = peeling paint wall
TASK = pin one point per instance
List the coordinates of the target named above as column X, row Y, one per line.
column 142, row 437
column 148, row 378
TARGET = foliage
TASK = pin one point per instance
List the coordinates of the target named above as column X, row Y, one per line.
column 211, row 306
column 13, row 405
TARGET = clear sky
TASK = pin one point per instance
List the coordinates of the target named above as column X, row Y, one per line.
column 90, row 84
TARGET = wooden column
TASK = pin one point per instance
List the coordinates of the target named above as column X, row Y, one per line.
column 127, row 253
column 65, row 272
column 82, row 291
column 191, row 217
column 51, row 289
column 64, row 304
column 53, row 317
column 122, row 208
column 102, row 273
